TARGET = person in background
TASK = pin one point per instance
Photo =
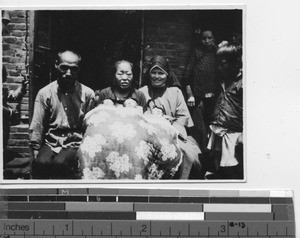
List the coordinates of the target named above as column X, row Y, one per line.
column 199, row 80
column 166, row 99
column 8, row 113
column 5, row 17
column 11, row 116
column 15, row 166
column 227, row 120
column 121, row 89
column 56, row 126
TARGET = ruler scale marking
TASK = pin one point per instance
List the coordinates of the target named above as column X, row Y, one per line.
column 111, row 229
column 237, row 217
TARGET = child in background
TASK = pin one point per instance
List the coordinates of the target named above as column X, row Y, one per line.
column 227, row 121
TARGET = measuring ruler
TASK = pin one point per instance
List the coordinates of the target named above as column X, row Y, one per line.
column 146, row 213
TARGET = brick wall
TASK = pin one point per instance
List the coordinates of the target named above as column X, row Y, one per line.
column 15, row 59
column 168, row 33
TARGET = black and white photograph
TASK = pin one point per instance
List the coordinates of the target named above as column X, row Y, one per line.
column 123, row 94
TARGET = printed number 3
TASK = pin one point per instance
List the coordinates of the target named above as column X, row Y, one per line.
column 223, row 228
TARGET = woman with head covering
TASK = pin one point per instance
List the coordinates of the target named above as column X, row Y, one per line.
column 164, row 98
column 163, row 94
column 122, row 90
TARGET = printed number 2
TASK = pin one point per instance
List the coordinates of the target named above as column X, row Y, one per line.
column 144, row 228
column 223, row 228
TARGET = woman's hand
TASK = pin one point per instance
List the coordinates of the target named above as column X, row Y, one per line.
column 191, row 101
column 191, row 98
column 169, row 118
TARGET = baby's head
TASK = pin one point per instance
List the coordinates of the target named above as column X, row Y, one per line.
column 108, row 102
column 130, row 103
column 157, row 111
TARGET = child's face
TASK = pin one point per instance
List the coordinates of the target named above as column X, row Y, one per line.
column 207, row 39
column 224, row 67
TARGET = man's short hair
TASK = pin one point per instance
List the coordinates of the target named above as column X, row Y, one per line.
column 71, row 51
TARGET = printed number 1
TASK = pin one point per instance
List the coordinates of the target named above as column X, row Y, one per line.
column 67, row 227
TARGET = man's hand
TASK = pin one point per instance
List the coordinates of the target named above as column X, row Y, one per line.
column 191, row 101
column 20, row 91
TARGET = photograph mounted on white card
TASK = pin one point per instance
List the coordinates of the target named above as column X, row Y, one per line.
column 128, row 95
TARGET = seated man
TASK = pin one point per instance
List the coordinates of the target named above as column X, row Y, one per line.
column 56, row 126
